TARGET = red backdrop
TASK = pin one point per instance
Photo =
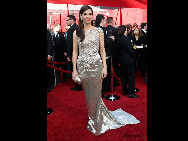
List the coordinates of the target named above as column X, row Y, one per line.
column 129, row 15
column 111, row 3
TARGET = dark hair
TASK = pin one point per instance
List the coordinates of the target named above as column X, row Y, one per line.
column 142, row 25
column 92, row 22
column 72, row 17
column 121, row 30
column 99, row 18
column 129, row 26
column 109, row 20
column 135, row 24
column 139, row 34
column 80, row 30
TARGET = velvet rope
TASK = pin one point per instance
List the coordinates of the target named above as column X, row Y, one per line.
column 59, row 69
column 115, row 75
column 71, row 71
column 57, row 62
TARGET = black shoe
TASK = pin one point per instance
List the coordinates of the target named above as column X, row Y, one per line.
column 103, row 96
column 49, row 111
column 133, row 96
column 50, row 89
column 76, row 89
column 136, row 90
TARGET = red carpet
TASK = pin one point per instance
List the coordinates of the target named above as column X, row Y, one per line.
column 69, row 120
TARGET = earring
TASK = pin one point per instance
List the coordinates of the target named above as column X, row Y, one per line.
column 81, row 18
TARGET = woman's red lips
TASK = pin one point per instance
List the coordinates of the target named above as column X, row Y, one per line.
column 88, row 20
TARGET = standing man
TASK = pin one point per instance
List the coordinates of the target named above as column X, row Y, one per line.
column 129, row 28
column 73, row 26
column 59, row 52
column 113, row 48
column 127, row 62
column 49, row 70
column 50, row 74
column 144, row 50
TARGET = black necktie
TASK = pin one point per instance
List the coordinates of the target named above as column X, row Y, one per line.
column 57, row 35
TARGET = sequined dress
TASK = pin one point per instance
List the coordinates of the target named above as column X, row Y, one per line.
column 90, row 67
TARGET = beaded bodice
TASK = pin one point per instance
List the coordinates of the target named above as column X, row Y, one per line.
column 89, row 47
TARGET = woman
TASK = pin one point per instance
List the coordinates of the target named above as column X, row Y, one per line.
column 136, row 41
column 108, row 42
column 127, row 62
column 136, row 37
column 92, row 70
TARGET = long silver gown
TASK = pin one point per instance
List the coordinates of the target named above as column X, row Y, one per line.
column 89, row 65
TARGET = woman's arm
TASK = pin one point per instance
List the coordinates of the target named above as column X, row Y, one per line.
column 103, row 54
column 74, row 56
column 102, row 49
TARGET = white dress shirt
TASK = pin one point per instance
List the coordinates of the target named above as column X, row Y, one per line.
column 55, row 32
column 144, row 30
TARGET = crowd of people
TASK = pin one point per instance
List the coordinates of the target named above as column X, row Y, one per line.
column 126, row 61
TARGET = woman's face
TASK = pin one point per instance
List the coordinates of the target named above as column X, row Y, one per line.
column 125, row 33
column 57, row 28
column 103, row 22
column 136, row 31
column 87, row 16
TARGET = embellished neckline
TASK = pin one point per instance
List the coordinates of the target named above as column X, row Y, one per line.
column 90, row 29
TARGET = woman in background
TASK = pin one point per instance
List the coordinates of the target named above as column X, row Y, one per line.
column 136, row 41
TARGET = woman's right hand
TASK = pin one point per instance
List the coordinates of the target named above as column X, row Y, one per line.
column 74, row 75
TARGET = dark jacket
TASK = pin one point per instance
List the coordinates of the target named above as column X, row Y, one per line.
column 60, row 48
column 114, row 30
column 49, row 44
column 112, row 45
column 144, row 37
column 70, row 40
column 136, row 42
column 107, row 42
column 125, row 51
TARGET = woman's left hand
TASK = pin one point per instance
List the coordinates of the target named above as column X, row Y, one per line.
column 104, row 72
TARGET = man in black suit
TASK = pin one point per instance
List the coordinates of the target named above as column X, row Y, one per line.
column 60, row 49
column 113, row 48
column 129, row 30
column 143, row 57
column 144, row 29
column 49, row 70
column 50, row 74
column 127, row 62
column 73, row 26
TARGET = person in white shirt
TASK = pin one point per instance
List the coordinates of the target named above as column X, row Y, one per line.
column 144, row 28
